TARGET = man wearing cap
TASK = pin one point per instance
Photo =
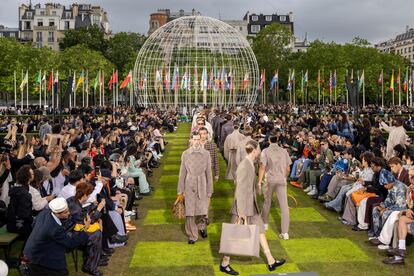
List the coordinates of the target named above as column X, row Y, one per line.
column 48, row 241
column 395, row 201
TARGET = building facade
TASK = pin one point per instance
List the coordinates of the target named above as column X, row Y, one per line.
column 163, row 16
column 256, row 22
column 402, row 44
column 45, row 26
column 9, row 32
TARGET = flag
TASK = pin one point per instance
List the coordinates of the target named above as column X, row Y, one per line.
column 334, row 80
column 289, row 85
column 126, row 81
column 399, row 77
column 292, row 77
column 175, row 78
column 56, row 77
column 330, row 82
column 81, row 80
column 113, row 79
column 203, row 83
column 167, row 78
column 361, row 79
column 381, row 78
column 306, row 77
column 38, row 78
column 246, row 81
column 262, row 80
column 392, row 82
column 96, row 82
column 24, row 81
column 405, row 80
column 157, row 79
column 44, row 77
column 275, row 79
column 195, row 78
column 319, row 77
column 411, row 81
column 211, row 81
column 74, row 87
column 49, row 84
column 184, row 81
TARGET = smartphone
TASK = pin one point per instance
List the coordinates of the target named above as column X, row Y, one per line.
column 58, row 141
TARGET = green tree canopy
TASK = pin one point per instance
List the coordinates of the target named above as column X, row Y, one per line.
column 93, row 37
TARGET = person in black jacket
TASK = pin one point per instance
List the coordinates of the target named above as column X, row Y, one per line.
column 19, row 211
column 46, row 246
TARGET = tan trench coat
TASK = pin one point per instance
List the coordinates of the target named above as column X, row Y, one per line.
column 230, row 152
column 195, row 181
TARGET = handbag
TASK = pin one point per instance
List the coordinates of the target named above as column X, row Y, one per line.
column 358, row 196
column 178, row 208
column 239, row 239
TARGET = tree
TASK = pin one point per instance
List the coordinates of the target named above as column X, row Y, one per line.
column 93, row 37
column 123, row 49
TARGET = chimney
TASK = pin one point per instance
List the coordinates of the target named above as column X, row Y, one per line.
column 75, row 10
column 407, row 28
column 290, row 16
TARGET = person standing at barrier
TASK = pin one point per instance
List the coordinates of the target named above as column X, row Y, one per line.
column 275, row 165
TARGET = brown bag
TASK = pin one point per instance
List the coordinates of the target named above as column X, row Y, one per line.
column 358, row 196
column 178, row 208
column 240, row 240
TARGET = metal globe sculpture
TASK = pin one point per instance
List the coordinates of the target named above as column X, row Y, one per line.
column 196, row 60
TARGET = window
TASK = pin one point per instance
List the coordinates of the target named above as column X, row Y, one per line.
column 240, row 28
column 96, row 20
column 268, row 18
column 40, row 23
column 12, row 35
column 1, row 35
column 67, row 25
column 29, row 14
column 51, row 37
column 51, row 23
column 255, row 18
column 39, row 37
column 68, row 15
column 282, row 18
column 42, row 12
column 53, row 12
column 27, row 25
column 255, row 29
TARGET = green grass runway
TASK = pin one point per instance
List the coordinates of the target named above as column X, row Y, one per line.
column 319, row 242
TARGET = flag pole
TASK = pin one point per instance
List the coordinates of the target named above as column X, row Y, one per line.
column 27, row 90
column 319, row 87
column 87, row 88
column 363, row 90
column 15, row 90
column 407, row 79
column 336, row 84
column 83, row 88
column 40, row 89
column 399, row 86
column 75, row 88
column 382, row 88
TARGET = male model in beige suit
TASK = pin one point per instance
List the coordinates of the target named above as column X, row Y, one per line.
column 245, row 205
column 275, row 164
column 196, row 184
column 230, row 150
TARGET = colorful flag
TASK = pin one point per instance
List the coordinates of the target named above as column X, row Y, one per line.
column 330, row 81
column 246, row 81
column 392, row 82
column 126, row 81
column 113, row 79
column 49, row 84
column 319, row 77
column 306, row 77
column 24, row 81
column 81, row 80
column 275, row 79
column 56, row 77
column 399, row 77
column 167, row 78
column 97, row 80
column 381, row 78
column 405, row 80
column 289, row 85
column 334, row 80
column 175, row 78
column 38, row 78
column 184, row 81
column 262, row 80
column 195, row 78
column 361, row 79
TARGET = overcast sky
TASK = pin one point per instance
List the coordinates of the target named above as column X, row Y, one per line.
column 329, row 20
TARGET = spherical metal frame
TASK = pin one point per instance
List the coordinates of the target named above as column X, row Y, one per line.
column 196, row 60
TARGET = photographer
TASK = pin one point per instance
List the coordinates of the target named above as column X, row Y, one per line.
column 93, row 250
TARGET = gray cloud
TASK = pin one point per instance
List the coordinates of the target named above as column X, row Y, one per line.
column 329, row 20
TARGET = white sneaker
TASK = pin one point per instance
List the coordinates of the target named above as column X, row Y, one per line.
column 284, row 236
column 129, row 213
column 372, row 238
column 160, row 155
column 266, row 227
column 313, row 192
column 308, row 189
column 383, row 247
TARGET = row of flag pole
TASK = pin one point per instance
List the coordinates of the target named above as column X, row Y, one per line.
column 215, row 80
